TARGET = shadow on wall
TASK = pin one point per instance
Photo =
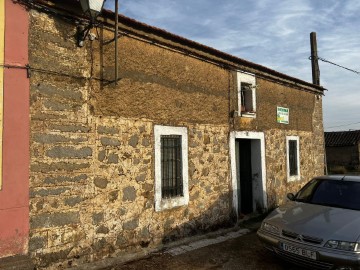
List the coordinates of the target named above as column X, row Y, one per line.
column 218, row 215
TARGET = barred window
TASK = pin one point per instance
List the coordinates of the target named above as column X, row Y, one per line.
column 293, row 166
column 171, row 166
column 293, row 158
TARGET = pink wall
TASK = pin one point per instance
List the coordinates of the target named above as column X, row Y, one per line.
column 14, row 196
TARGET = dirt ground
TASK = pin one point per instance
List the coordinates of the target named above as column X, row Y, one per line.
column 244, row 252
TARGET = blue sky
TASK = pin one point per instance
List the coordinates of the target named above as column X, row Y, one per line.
column 274, row 34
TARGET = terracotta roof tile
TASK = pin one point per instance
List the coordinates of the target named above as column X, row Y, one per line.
column 342, row 138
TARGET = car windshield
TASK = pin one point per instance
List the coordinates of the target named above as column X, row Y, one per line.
column 335, row 193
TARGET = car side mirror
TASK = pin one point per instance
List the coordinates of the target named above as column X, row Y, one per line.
column 290, row 196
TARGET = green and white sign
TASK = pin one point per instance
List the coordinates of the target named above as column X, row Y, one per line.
column 282, row 115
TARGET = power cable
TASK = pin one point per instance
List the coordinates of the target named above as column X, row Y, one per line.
column 30, row 69
column 332, row 63
column 345, row 125
column 43, row 7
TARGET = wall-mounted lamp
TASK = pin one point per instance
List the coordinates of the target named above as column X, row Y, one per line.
column 91, row 8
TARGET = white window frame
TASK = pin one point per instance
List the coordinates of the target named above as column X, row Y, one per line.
column 233, row 164
column 249, row 79
column 293, row 177
column 160, row 203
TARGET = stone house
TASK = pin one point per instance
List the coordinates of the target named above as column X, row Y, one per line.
column 190, row 139
column 342, row 150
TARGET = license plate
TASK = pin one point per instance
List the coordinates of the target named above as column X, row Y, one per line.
column 299, row 251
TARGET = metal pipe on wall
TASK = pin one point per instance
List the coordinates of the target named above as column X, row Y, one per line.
column 116, row 40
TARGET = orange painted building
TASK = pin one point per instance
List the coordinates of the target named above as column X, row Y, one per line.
column 14, row 131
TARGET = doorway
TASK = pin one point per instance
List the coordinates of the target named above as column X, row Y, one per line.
column 245, row 177
column 248, row 172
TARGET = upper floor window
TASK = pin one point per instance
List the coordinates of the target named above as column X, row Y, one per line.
column 246, row 94
column 293, row 159
column 171, row 167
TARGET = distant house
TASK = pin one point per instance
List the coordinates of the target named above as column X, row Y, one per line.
column 342, row 149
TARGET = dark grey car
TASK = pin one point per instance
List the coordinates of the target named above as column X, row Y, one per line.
column 320, row 226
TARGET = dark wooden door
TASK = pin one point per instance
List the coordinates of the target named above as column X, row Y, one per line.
column 246, row 193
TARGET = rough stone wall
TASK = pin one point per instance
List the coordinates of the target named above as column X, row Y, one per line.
column 92, row 175
column 98, row 200
column 311, row 144
column 305, row 121
column 310, row 164
column 159, row 84
column 302, row 107
column 61, row 170
column 92, row 143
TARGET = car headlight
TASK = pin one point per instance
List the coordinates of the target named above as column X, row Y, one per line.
column 343, row 245
column 270, row 228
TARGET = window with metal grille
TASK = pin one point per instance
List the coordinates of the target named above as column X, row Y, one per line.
column 171, row 166
column 293, row 158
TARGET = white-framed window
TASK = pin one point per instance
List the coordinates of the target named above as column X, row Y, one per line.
column 293, row 158
column 246, row 94
column 171, row 167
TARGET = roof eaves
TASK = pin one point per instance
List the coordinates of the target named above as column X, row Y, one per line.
column 220, row 56
column 198, row 46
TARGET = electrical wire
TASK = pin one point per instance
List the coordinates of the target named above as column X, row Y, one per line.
column 51, row 72
column 332, row 63
column 42, row 8
column 345, row 125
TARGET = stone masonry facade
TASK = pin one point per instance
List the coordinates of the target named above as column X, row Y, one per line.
column 92, row 143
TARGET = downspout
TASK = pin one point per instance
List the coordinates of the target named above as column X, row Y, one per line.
column 116, row 40
column 2, row 62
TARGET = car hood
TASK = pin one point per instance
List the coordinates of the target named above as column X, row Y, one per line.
column 328, row 223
